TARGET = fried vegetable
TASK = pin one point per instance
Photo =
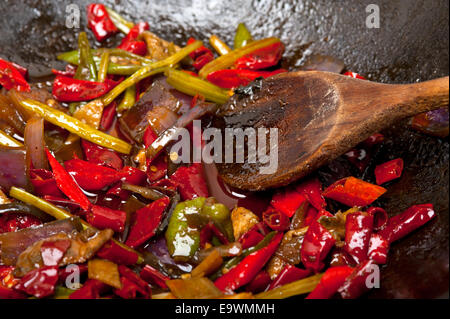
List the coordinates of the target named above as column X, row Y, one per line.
column 105, row 271
column 194, row 288
column 220, row 46
column 242, row 220
column 6, row 140
column 298, row 287
column 209, row 265
column 13, row 167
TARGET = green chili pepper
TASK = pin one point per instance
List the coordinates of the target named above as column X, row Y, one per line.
column 85, row 60
column 183, row 238
column 220, row 214
column 129, row 98
column 120, row 22
column 242, row 37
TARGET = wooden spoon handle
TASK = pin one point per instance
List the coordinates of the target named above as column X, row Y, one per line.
column 422, row 97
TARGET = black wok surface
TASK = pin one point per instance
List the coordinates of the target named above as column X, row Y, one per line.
column 412, row 44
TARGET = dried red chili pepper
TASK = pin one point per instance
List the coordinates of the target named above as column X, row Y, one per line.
column 354, row 75
column 133, row 175
column 249, row 267
column 311, row 215
column 157, row 168
column 253, row 236
column 355, row 284
column 358, row 230
column 132, row 285
column 260, row 283
column 312, row 190
column 287, row 200
column 9, row 293
column 103, row 217
column 39, row 282
column 378, row 249
column 339, row 257
column 108, row 116
column 289, row 274
column 380, row 217
column 388, row 171
column 361, row 155
column 146, row 221
column 201, row 56
column 100, row 155
column 67, row 89
column 233, row 78
column 261, row 58
column 154, row 277
column 210, row 230
column 65, row 272
column 317, row 242
column 332, row 279
column 64, row 202
column 69, row 71
column 190, row 181
column 149, row 136
column 117, row 254
column 91, row 289
column 90, row 176
column 13, row 222
column 275, row 219
column 44, row 183
column 99, row 21
column 53, row 251
column 354, row 192
column 11, row 78
column 402, row 224
column 130, row 43
column 67, row 184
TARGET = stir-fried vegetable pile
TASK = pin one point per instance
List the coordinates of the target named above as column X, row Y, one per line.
column 91, row 205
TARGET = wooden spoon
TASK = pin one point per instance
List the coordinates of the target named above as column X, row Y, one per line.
column 319, row 116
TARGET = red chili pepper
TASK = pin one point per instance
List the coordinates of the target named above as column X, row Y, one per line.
column 22, row 70
column 9, row 293
column 210, row 230
column 233, row 78
column 380, row 217
column 354, row 192
column 249, row 267
column 361, row 155
column 11, row 78
column 157, row 168
column 261, row 58
column 130, row 44
column 44, row 183
column 149, row 136
column 133, row 175
column 15, row 221
column 317, row 242
column 276, row 220
column 332, row 279
column 358, row 230
column 355, row 284
column 69, row 71
column 287, row 201
column 67, row 89
column 253, row 236
column 289, row 274
column 99, row 21
column 146, row 221
column 91, row 289
column 66, row 203
column 154, row 277
column 190, row 181
column 104, row 217
column 65, row 272
column 311, row 215
column 67, row 184
column 354, row 75
column 388, row 171
column 312, row 190
column 100, row 155
column 260, row 283
column 91, row 177
column 39, row 282
column 404, row 223
column 53, row 251
column 108, row 116
column 201, row 56
column 378, row 249
column 132, row 284
column 117, row 254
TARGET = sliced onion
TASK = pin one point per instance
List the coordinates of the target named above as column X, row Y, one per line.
column 34, row 142
column 13, row 168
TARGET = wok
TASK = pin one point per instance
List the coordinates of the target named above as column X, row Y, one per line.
column 410, row 45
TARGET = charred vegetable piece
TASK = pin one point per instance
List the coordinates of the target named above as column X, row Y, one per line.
column 183, row 239
column 354, row 192
column 146, row 222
